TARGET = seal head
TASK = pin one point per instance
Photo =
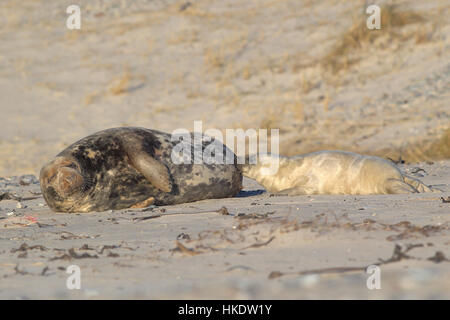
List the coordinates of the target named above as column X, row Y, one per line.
column 62, row 182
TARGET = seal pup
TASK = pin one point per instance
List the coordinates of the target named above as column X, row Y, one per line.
column 331, row 172
column 132, row 167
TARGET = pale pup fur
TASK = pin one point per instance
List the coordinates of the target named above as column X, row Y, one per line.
column 331, row 172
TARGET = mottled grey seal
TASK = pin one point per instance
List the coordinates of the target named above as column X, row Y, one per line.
column 132, row 167
column 332, row 172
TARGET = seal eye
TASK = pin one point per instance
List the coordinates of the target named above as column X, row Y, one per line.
column 68, row 181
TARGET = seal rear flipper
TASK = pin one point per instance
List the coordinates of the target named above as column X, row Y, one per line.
column 421, row 187
column 395, row 186
column 153, row 170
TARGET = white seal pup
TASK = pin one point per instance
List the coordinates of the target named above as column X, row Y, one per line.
column 331, row 172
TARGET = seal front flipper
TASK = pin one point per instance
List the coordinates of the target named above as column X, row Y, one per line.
column 153, row 170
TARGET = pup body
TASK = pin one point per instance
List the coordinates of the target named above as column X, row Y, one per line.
column 332, row 172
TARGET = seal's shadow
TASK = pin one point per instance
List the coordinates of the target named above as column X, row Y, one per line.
column 249, row 193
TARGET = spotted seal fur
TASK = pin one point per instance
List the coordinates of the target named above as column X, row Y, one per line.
column 131, row 167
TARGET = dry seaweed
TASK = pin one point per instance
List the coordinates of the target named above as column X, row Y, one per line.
column 146, row 218
column 399, row 254
column 21, row 272
column 259, row 244
column 9, row 196
column 277, row 274
column 71, row 254
column 438, row 257
column 25, row 247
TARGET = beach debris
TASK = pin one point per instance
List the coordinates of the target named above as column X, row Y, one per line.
column 398, row 161
column 24, row 272
column 183, row 236
column 223, row 211
column 260, row 244
column 112, row 254
column 277, row 274
column 438, row 257
column 239, row 267
column 254, row 215
column 399, row 254
column 25, row 247
column 416, row 171
column 27, row 180
column 138, row 219
column 6, row 195
column 410, row 230
column 18, row 222
column 85, row 247
column 72, row 254
column 66, row 235
column 17, row 181
column 21, row 272
column 445, row 200
column 106, row 247
column 184, row 6
column 183, row 249
column 44, row 271
column 44, row 225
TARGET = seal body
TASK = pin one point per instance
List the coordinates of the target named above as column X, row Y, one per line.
column 332, row 172
column 132, row 167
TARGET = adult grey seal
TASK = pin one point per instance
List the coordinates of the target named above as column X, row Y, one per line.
column 331, row 172
column 132, row 167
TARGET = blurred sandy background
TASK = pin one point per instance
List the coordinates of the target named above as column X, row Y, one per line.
column 310, row 68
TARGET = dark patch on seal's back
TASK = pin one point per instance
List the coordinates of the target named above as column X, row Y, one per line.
column 97, row 153
column 149, row 142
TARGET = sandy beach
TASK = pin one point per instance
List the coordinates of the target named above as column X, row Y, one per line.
column 303, row 67
column 267, row 247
